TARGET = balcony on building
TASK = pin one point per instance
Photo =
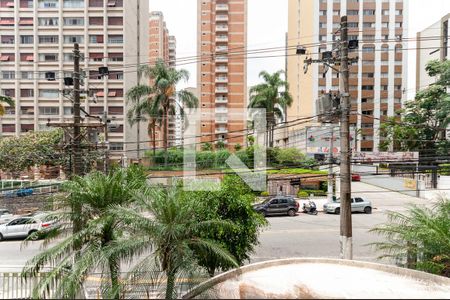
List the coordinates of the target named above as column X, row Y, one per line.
column 221, row 130
column 221, row 58
column 221, row 110
column 221, row 120
column 223, row 28
column 222, row 38
column 221, row 100
column 222, row 79
column 221, row 89
column 222, row 7
column 221, row 18
column 221, row 69
column 222, row 49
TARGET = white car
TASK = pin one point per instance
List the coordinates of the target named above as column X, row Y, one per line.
column 23, row 227
column 358, row 205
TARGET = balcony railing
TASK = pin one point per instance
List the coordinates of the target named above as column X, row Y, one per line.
column 221, row 110
column 221, row 100
column 221, row 17
column 221, row 90
column 222, row 79
column 221, row 120
column 221, row 59
column 222, row 38
column 221, row 69
column 221, row 28
column 222, row 7
column 221, row 130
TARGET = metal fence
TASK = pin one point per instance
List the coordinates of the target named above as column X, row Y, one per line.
column 14, row 286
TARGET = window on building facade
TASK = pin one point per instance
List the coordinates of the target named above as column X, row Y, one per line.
column 73, row 21
column 115, row 39
column 7, row 39
column 48, row 3
column 49, row 57
column 48, row 93
column 73, row 3
column 8, row 75
column 96, row 39
column 71, row 39
column 95, row 3
column 26, row 93
column 48, row 39
column 48, row 21
column 26, row 39
column 48, row 111
column 96, row 21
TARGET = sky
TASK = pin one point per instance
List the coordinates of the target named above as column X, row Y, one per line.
column 267, row 26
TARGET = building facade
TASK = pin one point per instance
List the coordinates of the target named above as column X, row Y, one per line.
column 379, row 78
column 36, row 51
column 432, row 44
column 222, row 42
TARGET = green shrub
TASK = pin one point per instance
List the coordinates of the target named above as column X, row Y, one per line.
column 302, row 194
column 237, row 147
column 444, row 170
column 207, row 147
column 265, row 194
column 205, row 159
column 221, row 158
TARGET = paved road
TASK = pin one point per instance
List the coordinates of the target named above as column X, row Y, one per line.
column 318, row 236
column 300, row 236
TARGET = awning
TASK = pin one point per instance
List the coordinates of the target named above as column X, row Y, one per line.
column 95, row 55
column 100, row 94
column 4, row 58
column 112, row 94
column 6, row 22
column 29, row 58
column 26, row 22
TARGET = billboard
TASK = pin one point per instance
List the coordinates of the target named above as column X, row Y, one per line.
column 385, row 157
column 318, row 139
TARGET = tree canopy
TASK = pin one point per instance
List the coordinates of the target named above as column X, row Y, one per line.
column 424, row 119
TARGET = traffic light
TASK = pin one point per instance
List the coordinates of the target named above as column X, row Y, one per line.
column 327, row 55
column 353, row 44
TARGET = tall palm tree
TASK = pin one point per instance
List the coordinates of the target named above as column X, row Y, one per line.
column 172, row 233
column 420, row 237
column 162, row 93
column 7, row 100
column 78, row 254
column 273, row 96
column 143, row 110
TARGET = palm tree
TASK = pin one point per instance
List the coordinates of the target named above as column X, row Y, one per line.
column 7, row 100
column 173, row 234
column 420, row 237
column 162, row 92
column 143, row 110
column 273, row 96
column 78, row 254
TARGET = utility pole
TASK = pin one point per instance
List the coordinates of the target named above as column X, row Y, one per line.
column 346, row 213
column 76, row 149
column 105, row 131
column 138, row 31
column 330, row 165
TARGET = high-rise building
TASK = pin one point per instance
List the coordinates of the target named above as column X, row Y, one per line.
column 172, row 51
column 222, row 42
column 37, row 39
column 377, row 80
column 432, row 44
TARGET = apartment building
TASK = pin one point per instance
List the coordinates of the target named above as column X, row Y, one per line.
column 36, row 44
column 432, row 44
column 222, row 42
column 377, row 80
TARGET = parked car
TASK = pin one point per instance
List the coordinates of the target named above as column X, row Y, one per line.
column 358, row 205
column 281, row 205
column 356, row 177
column 5, row 216
column 24, row 226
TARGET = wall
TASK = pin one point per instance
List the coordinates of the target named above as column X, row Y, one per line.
column 402, row 185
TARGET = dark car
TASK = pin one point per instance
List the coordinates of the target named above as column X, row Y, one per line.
column 280, row 205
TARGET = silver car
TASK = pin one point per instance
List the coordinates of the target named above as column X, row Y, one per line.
column 24, row 227
column 358, row 205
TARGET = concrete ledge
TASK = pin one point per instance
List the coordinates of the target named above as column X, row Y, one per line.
column 233, row 274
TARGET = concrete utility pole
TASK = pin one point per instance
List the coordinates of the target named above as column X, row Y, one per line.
column 105, row 131
column 330, row 165
column 346, row 212
column 138, row 32
column 76, row 148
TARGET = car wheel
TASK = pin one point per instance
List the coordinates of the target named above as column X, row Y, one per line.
column 291, row 212
column 368, row 210
column 337, row 211
column 34, row 236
